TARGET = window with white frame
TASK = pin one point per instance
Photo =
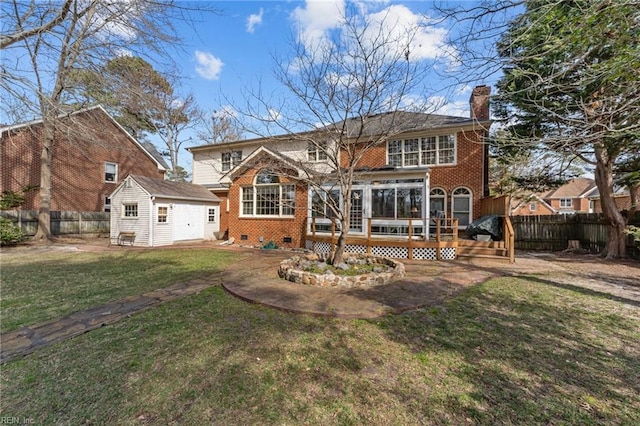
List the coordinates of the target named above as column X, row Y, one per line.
column 211, row 215
column 110, row 172
column 163, row 214
column 533, row 206
column 268, row 197
column 427, row 151
column 107, row 204
column 396, row 202
column 322, row 202
column 437, row 203
column 566, row 203
column 130, row 210
column 461, row 202
column 229, row 159
column 317, row 151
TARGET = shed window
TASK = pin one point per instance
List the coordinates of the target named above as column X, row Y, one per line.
column 211, row 215
column 162, row 214
column 130, row 210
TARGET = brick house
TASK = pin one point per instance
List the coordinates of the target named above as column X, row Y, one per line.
column 434, row 166
column 92, row 154
column 572, row 197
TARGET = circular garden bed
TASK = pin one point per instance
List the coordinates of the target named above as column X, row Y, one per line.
column 358, row 270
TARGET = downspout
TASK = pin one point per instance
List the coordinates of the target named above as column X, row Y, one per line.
column 152, row 200
column 427, row 203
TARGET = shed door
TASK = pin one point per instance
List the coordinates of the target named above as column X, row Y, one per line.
column 188, row 222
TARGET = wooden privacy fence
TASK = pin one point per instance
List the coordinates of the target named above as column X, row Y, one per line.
column 62, row 222
column 553, row 232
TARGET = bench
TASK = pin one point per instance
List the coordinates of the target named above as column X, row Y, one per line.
column 126, row 236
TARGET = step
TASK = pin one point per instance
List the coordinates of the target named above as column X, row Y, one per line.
column 504, row 259
column 492, row 251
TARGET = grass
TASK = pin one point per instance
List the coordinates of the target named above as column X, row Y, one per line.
column 38, row 288
column 511, row 351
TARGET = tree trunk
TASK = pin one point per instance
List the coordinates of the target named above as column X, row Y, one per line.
column 44, row 212
column 338, row 256
column 616, row 241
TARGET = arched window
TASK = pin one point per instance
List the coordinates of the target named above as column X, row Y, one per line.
column 437, row 203
column 268, row 196
column 461, row 202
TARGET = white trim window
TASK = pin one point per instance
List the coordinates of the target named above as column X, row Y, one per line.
column 130, row 210
column 395, row 202
column 163, row 214
column 461, row 206
column 427, row 151
column 229, row 159
column 268, row 197
column 533, row 206
column 566, row 203
column 211, row 215
column 317, row 151
column 107, row 204
column 437, row 203
column 110, row 172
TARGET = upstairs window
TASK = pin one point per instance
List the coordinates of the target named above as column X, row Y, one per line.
column 229, row 159
column 110, row 172
column 317, row 151
column 566, row 203
column 428, row 151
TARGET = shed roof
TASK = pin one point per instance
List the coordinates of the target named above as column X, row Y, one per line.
column 178, row 190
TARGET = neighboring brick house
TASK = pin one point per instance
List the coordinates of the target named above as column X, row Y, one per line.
column 92, row 154
column 435, row 166
column 572, row 197
column 621, row 197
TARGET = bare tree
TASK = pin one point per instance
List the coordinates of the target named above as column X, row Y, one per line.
column 220, row 126
column 173, row 117
column 39, row 61
column 345, row 96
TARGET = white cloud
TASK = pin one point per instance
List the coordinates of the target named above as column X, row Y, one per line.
column 439, row 105
column 316, row 18
column 253, row 20
column 399, row 23
column 209, row 67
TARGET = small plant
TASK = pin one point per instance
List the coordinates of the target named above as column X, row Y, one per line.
column 634, row 231
column 10, row 234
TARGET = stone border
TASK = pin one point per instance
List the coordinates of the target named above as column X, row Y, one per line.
column 290, row 270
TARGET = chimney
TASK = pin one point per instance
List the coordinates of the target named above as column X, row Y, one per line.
column 479, row 103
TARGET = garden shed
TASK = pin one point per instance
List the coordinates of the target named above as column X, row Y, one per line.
column 153, row 212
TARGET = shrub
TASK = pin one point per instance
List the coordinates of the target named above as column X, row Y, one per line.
column 10, row 234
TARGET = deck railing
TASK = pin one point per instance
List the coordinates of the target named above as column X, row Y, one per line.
column 438, row 233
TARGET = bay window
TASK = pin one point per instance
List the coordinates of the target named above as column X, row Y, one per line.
column 268, row 197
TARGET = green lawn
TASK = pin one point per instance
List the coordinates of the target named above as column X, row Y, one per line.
column 510, row 351
column 38, row 288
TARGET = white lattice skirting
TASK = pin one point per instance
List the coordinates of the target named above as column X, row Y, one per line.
column 418, row 253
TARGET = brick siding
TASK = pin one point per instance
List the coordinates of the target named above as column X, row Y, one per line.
column 81, row 147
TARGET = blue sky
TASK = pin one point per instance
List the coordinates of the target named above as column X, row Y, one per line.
column 232, row 50
column 229, row 52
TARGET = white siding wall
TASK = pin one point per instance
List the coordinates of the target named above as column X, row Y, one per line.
column 140, row 224
column 207, row 165
column 162, row 232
